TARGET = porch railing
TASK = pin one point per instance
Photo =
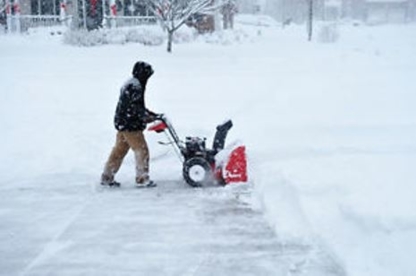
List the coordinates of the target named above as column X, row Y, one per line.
column 129, row 21
column 32, row 21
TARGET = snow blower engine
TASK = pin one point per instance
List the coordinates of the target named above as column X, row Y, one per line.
column 202, row 166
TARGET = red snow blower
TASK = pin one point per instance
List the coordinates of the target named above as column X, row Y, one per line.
column 202, row 166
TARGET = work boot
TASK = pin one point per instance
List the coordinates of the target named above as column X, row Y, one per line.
column 146, row 184
column 109, row 181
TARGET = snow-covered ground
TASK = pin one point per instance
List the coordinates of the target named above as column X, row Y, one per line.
column 330, row 131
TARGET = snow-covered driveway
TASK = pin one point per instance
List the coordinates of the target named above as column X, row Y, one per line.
column 79, row 229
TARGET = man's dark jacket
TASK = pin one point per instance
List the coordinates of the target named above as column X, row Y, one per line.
column 131, row 111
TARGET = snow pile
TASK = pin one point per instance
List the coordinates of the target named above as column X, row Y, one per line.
column 338, row 158
column 256, row 20
column 227, row 37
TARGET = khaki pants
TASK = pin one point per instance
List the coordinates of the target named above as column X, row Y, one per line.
column 126, row 140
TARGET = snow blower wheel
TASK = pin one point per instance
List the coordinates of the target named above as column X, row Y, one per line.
column 197, row 172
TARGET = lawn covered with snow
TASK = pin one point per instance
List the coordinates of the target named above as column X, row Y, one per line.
column 330, row 131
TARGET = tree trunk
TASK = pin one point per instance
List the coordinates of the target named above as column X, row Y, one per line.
column 170, row 38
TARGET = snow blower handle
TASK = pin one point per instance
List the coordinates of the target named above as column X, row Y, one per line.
column 165, row 124
column 159, row 116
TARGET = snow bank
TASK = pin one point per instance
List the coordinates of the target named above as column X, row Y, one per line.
column 256, row 20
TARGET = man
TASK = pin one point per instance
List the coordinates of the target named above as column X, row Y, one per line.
column 130, row 120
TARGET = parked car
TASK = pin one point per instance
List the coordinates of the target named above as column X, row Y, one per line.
column 203, row 22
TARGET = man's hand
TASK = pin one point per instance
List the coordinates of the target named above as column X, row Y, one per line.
column 150, row 116
column 150, row 113
column 149, row 119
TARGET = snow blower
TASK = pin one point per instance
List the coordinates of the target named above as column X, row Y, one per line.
column 203, row 166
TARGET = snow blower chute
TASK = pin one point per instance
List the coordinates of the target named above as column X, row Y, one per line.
column 203, row 166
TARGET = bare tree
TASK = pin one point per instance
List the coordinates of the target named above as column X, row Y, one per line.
column 172, row 14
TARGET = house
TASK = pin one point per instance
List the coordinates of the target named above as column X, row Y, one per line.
column 83, row 13
column 91, row 14
column 388, row 11
column 332, row 10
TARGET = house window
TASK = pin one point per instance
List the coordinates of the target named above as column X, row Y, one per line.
column 45, row 7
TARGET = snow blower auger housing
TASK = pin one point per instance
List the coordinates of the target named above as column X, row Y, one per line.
column 203, row 166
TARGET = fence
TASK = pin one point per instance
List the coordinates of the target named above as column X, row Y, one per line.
column 129, row 21
column 33, row 21
column 17, row 23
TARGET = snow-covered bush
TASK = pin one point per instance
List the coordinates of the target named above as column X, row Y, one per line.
column 246, row 29
column 84, row 38
column 146, row 35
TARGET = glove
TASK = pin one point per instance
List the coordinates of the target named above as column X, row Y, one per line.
column 150, row 113
column 150, row 117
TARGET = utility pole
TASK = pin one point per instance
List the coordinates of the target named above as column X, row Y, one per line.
column 310, row 19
